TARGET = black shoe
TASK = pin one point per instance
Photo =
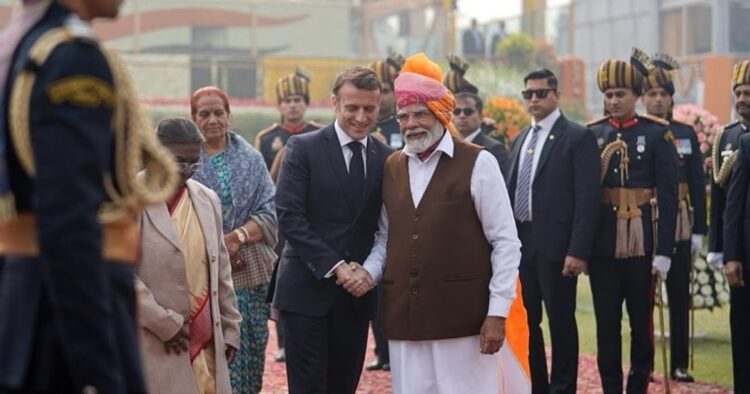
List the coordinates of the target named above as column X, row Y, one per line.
column 375, row 365
column 681, row 375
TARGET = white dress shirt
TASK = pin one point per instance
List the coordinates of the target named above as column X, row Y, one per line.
column 543, row 133
column 493, row 208
column 344, row 140
column 473, row 135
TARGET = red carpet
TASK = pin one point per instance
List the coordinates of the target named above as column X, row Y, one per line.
column 378, row 382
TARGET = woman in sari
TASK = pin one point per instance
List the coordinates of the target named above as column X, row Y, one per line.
column 187, row 306
column 237, row 173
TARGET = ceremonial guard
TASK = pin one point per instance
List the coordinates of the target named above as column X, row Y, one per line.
column 386, row 130
column 724, row 154
column 736, row 245
column 293, row 95
column 658, row 92
column 639, row 188
column 72, row 140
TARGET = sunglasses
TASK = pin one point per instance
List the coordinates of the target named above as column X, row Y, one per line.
column 467, row 111
column 540, row 93
column 189, row 167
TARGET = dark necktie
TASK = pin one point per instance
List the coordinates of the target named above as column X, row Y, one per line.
column 356, row 173
column 523, row 185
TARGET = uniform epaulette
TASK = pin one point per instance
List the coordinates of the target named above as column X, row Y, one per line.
column 315, row 124
column 264, row 132
column 599, row 120
column 681, row 123
column 655, row 119
column 731, row 124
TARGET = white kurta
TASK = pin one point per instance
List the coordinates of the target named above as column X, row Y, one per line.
column 456, row 365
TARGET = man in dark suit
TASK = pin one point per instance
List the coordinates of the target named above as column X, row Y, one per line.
column 467, row 117
column 328, row 199
column 736, row 231
column 473, row 42
column 554, row 189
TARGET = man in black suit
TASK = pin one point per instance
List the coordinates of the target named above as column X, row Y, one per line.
column 554, row 189
column 328, row 200
column 473, row 42
column 467, row 117
column 736, row 247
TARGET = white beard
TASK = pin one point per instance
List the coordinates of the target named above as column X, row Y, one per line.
column 422, row 144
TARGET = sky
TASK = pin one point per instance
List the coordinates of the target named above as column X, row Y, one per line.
column 485, row 10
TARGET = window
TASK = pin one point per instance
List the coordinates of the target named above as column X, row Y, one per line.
column 739, row 28
column 699, row 23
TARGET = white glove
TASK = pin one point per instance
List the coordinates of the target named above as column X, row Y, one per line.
column 660, row 266
column 696, row 243
column 716, row 259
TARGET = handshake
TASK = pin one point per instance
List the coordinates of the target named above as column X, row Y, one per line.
column 354, row 278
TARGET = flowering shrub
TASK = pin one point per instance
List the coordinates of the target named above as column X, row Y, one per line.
column 509, row 115
column 705, row 124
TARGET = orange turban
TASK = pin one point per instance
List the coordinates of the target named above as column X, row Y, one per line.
column 420, row 81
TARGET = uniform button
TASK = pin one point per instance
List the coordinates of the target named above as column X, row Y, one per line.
column 416, row 218
column 414, row 254
column 413, row 273
column 216, row 292
column 415, row 236
column 216, row 324
column 213, row 259
column 616, row 171
column 415, row 291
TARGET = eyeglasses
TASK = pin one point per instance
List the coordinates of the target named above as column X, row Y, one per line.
column 189, row 167
column 419, row 116
column 540, row 93
column 467, row 111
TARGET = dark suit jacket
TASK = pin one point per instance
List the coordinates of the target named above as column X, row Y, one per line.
column 319, row 222
column 565, row 192
column 497, row 149
column 736, row 215
column 471, row 47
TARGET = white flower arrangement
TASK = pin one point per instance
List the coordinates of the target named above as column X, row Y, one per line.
column 709, row 287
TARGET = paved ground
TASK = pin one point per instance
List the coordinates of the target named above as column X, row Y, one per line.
column 379, row 382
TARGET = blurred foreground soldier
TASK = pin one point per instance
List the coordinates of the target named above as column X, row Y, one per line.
column 293, row 96
column 638, row 163
column 737, row 238
column 658, row 92
column 70, row 195
column 724, row 154
column 387, row 128
column 467, row 117
column 554, row 188
column 445, row 322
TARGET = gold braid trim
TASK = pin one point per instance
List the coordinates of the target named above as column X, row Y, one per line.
column 136, row 149
column 136, row 146
column 607, row 153
column 7, row 208
column 20, row 96
column 715, row 156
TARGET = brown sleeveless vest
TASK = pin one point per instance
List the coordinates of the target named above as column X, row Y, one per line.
column 438, row 269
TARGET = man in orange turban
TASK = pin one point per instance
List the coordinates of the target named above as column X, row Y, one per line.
column 448, row 255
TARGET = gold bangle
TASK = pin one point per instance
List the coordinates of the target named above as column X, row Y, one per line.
column 240, row 235
column 244, row 231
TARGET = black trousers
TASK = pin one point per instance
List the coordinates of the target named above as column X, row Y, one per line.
column 678, row 294
column 739, row 326
column 542, row 283
column 325, row 354
column 381, row 343
column 612, row 282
